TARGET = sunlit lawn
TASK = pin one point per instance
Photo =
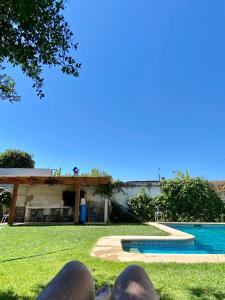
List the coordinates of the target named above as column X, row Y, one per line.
column 31, row 256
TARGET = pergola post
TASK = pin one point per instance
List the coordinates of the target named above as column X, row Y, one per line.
column 13, row 204
column 77, row 204
column 106, row 211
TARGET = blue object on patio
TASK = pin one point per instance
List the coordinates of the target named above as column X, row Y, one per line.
column 83, row 214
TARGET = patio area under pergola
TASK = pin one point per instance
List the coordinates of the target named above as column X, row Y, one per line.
column 76, row 181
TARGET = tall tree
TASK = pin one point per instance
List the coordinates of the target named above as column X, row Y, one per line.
column 33, row 34
column 13, row 158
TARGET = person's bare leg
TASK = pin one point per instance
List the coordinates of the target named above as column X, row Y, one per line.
column 73, row 282
column 133, row 284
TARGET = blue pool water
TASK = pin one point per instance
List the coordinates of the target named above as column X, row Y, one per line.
column 209, row 239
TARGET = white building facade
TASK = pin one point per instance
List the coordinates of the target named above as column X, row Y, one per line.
column 46, row 202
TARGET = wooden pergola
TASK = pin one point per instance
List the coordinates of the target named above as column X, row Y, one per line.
column 77, row 181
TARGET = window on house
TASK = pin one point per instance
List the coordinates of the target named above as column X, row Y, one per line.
column 69, row 198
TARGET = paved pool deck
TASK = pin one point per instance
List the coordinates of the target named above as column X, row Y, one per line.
column 110, row 248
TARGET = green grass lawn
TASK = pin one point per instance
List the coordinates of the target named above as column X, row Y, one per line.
column 31, row 256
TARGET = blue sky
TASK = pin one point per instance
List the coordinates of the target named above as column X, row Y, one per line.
column 151, row 93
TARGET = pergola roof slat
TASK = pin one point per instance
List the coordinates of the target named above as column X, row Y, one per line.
column 52, row 180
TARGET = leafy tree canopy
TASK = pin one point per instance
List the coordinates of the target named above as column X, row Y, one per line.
column 186, row 198
column 33, row 34
column 13, row 158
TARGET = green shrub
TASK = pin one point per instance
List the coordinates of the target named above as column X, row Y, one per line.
column 5, row 197
column 190, row 199
column 142, row 206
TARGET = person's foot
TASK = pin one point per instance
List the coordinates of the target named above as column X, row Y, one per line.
column 103, row 293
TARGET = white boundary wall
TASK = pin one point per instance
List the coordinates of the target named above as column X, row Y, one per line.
column 131, row 188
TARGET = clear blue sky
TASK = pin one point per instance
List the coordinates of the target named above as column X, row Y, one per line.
column 151, row 92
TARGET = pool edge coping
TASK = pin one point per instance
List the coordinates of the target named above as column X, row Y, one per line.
column 110, row 248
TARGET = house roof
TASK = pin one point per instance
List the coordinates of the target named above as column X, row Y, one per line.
column 25, row 172
column 51, row 180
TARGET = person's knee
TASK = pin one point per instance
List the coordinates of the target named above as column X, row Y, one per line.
column 134, row 273
column 75, row 267
column 73, row 280
column 134, row 283
column 72, row 271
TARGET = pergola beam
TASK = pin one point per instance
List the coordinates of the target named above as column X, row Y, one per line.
column 52, row 180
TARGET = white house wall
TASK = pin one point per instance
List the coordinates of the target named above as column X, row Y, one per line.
column 51, row 196
column 47, row 195
column 130, row 191
column 41, row 195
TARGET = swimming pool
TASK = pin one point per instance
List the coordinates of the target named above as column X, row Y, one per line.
column 209, row 239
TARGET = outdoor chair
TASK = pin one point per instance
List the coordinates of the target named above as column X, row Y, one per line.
column 37, row 215
column 92, row 216
column 5, row 215
column 66, row 216
column 159, row 215
column 51, row 215
column 55, row 214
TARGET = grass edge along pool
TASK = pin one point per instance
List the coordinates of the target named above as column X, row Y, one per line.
column 209, row 239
